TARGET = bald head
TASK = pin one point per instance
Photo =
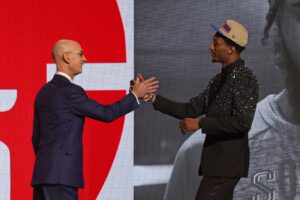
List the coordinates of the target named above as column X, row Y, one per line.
column 68, row 56
column 61, row 47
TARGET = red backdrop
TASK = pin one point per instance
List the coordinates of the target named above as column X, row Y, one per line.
column 29, row 29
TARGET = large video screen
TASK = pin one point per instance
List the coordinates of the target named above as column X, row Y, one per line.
column 171, row 43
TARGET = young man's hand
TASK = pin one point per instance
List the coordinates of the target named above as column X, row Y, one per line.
column 189, row 125
column 143, row 88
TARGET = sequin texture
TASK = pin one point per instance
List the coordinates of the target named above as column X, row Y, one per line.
column 237, row 97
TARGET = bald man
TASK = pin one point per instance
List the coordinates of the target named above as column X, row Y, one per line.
column 59, row 111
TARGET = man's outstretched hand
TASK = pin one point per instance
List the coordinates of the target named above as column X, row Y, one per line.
column 142, row 88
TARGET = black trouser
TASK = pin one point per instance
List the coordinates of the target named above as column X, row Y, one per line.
column 216, row 188
column 54, row 192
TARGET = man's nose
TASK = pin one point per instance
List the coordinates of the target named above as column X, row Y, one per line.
column 210, row 47
column 84, row 58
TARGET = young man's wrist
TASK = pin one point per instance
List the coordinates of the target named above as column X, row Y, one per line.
column 151, row 98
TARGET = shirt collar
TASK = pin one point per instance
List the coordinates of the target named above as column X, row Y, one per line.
column 229, row 68
column 65, row 75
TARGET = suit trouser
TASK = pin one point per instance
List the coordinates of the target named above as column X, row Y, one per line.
column 216, row 188
column 54, row 192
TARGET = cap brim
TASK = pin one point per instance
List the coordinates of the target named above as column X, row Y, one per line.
column 217, row 29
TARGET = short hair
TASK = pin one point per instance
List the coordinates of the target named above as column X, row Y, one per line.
column 238, row 48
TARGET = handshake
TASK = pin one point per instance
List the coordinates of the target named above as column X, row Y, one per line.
column 144, row 89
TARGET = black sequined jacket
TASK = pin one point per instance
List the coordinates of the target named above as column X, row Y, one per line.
column 229, row 104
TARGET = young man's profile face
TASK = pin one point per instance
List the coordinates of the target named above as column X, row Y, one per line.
column 219, row 49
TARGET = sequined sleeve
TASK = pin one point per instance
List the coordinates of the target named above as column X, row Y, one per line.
column 200, row 102
column 245, row 100
column 245, row 96
column 194, row 108
column 175, row 109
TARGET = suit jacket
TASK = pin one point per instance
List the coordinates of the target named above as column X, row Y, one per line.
column 229, row 103
column 59, row 112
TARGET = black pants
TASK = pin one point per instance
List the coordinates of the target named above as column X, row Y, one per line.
column 54, row 192
column 216, row 188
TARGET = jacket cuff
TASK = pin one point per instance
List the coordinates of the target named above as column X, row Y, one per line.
column 137, row 99
column 204, row 125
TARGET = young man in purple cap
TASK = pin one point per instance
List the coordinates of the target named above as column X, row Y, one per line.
column 224, row 111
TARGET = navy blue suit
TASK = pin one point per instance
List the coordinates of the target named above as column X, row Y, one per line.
column 59, row 112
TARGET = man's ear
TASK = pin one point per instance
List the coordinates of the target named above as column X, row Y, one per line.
column 231, row 50
column 65, row 58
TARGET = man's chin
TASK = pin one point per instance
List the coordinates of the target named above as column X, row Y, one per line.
column 78, row 73
column 214, row 60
